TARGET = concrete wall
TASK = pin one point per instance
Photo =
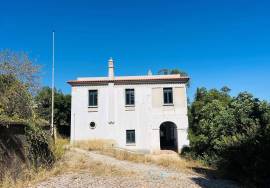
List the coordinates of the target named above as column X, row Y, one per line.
column 113, row 118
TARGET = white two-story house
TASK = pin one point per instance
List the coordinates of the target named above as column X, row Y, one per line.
column 144, row 113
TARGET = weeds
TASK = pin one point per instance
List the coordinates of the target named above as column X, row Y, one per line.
column 95, row 145
column 77, row 162
column 172, row 161
column 35, row 174
column 59, row 147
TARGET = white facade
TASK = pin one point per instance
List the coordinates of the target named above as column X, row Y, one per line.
column 112, row 117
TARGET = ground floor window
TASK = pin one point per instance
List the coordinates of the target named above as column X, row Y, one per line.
column 130, row 136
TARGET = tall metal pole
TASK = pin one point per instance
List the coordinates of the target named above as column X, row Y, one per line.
column 53, row 130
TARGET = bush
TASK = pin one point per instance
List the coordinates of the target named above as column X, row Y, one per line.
column 231, row 133
column 248, row 162
column 39, row 151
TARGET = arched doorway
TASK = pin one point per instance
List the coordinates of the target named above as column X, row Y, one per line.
column 168, row 136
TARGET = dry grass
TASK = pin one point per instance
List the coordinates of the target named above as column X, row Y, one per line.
column 67, row 162
column 31, row 176
column 59, row 147
column 95, row 145
column 126, row 155
column 28, row 177
column 75, row 162
column 171, row 160
column 176, row 163
column 107, row 147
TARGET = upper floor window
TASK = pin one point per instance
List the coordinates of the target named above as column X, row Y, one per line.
column 130, row 97
column 168, row 95
column 92, row 98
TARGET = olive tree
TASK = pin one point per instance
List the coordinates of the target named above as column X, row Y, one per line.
column 21, row 67
column 19, row 80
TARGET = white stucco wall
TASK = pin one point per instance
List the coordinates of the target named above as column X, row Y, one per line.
column 146, row 117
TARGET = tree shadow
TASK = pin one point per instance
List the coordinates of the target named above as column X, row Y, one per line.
column 214, row 183
column 208, row 173
column 211, row 178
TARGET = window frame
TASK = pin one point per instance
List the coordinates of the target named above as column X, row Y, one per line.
column 95, row 99
column 167, row 97
column 128, row 101
column 129, row 138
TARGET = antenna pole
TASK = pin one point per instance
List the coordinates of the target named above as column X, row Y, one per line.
column 53, row 130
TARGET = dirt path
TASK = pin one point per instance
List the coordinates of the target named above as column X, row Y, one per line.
column 124, row 174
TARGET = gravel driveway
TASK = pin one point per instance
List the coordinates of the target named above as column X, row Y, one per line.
column 145, row 175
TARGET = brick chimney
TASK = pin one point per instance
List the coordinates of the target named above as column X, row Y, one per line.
column 111, row 69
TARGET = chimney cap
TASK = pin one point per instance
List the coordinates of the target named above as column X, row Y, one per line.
column 111, row 68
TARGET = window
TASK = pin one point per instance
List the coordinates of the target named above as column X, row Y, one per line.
column 167, row 95
column 92, row 125
column 130, row 136
column 93, row 98
column 130, row 97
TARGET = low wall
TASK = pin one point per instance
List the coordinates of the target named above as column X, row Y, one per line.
column 13, row 147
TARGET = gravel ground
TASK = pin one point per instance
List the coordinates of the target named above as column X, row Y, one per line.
column 145, row 175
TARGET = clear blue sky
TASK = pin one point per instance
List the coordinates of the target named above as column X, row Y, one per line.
column 217, row 42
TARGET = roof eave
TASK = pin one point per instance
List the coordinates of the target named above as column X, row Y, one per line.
column 182, row 80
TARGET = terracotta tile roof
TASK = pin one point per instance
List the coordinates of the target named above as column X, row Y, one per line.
column 153, row 79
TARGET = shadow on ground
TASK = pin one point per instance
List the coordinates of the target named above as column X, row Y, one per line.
column 212, row 178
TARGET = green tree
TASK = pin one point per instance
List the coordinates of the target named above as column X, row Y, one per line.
column 209, row 115
column 177, row 71
column 21, row 67
column 18, row 81
column 15, row 99
column 174, row 71
column 62, row 106
column 232, row 133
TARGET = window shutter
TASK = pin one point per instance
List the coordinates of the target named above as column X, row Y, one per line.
column 179, row 96
column 157, row 97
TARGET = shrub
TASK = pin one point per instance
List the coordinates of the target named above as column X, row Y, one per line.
column 39, row 151
column 232, row 133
